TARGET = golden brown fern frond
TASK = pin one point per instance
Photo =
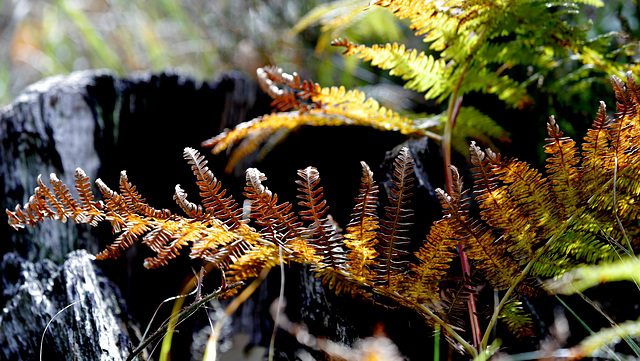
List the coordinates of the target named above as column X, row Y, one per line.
column 562, row 169
column 361, row 236
column 433, row 258
column 322, row 234
column 393, row 242
column 498, row 209
column 308, row 104
column 481, row 245
column 214, row 200
column 594, row 154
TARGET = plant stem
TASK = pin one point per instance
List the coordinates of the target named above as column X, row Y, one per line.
column 452, row 114
column 523, row 274
column 184, row 314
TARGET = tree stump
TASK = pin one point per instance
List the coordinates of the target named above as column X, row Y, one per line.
column 105, row 124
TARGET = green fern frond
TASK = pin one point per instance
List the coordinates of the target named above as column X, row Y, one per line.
column 593, row 345
column 517, row 319
column 421, row 72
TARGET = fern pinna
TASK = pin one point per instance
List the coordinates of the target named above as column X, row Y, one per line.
column 584, row 210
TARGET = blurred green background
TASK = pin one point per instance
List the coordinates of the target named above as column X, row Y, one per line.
column 199, row 38
column 205, row 38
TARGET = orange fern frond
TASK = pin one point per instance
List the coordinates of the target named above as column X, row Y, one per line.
column 498, row 209
column 562, row 169
column 214, row 199
column 393, row 242
column 361, row 235
column 321, row 233
column 481, row 245
column 438, row 250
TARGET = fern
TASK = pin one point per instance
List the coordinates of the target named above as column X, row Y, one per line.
column 529, row 225
column 582, row 208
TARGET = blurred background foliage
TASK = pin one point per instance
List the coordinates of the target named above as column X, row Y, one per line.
column 206, row 38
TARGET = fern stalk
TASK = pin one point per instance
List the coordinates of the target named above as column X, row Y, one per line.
column 452, row 113
column 521, row 276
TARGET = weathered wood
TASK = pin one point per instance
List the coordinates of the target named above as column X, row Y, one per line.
column 95, row 325
column 104, row 124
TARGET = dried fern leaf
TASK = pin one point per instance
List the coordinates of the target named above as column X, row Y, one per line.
column 498, row 208
column 433, row 259
column 279, row 224
column 393, row 242
column 214, row 199
column 480, row 243
column 87, row 202
column 322, row 234
column 134, row 201
column 361, row 236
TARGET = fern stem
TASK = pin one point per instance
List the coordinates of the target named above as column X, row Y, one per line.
column 452, row 114
column 184, row 314
column 505, row 298
column 470, row 349
column 211, row 350
column 523, row 274
column 436, row 344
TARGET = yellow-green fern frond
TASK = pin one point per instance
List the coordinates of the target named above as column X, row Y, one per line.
column 438, row 250
column 312, row 105
column 421, row 72
column 584, row 277
column 354, row 18
column 517, row 319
